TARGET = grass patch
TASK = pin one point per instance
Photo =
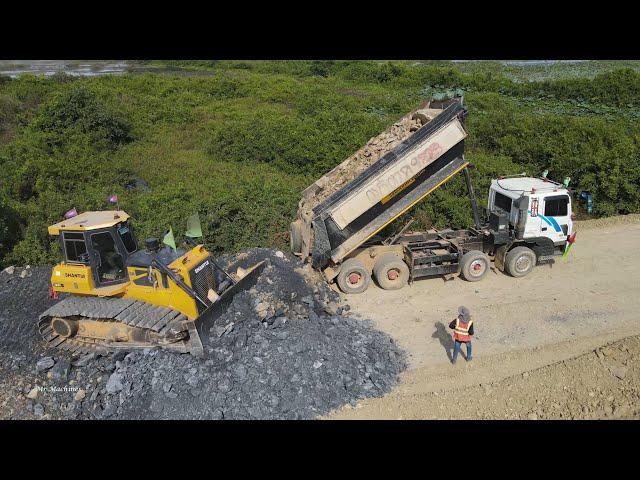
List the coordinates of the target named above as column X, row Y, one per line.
column 239, row 144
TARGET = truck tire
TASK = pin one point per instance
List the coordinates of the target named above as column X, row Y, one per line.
column 474, row 265
column 353, row 277
column 519, row 261
column 391, row 272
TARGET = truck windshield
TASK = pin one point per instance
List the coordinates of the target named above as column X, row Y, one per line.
column 127, row 238
column 502, row 202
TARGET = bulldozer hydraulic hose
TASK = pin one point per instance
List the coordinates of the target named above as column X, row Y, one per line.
column 233, row 282
column 189, row 291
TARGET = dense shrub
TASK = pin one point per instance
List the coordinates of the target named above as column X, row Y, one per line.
column 8, row 227
column 78, row 111
column 619, row 88
column 238, row 141
column 309, row 144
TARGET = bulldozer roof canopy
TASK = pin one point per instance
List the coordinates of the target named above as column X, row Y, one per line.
column 90, row 221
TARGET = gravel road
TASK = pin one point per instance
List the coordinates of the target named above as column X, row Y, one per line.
column 552, row 315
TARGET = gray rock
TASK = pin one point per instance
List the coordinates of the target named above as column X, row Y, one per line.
column 109, row 411
column 84, row 360
column 45, row 363
column 193, row 381
column 94, row 395
column 282, row 335
column 9, row 270
column 240, row 372
column 114, row 384
column 38, row 410
column 217, row 415
column 224, row 385
column 60, row 371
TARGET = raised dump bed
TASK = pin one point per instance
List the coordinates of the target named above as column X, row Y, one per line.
column 391, row 173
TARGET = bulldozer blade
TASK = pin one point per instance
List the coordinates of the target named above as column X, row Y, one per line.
column 201, row 334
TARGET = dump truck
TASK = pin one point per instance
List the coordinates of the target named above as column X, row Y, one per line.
column 125, row 297
column 527, row 221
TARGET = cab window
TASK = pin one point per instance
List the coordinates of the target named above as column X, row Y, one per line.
column 556, row 206
column 502, row 202
column 74, row 247
column 110, row 264
column 126, row 235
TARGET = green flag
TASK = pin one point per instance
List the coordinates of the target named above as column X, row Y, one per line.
column 169, row 239
column 194, row 230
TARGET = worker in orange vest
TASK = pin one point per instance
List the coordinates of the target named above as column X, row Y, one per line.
column 462, row 328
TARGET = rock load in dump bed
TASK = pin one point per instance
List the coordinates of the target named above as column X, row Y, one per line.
column 285, row 349
column 392, row 172
column 373, row 150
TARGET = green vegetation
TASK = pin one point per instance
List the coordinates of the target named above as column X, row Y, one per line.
column 237, row 141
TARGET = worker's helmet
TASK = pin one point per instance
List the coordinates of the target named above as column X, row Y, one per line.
column 464, row 313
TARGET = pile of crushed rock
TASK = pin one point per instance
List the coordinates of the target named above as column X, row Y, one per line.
column 286, row 349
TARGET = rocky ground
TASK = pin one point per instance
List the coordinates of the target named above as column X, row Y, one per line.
column 286, row 349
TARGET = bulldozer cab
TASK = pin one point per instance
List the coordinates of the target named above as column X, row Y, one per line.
column 100, row 240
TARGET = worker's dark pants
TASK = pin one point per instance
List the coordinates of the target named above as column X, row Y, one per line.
column 457, row 347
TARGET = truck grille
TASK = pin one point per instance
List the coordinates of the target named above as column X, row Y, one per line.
column 203, row 277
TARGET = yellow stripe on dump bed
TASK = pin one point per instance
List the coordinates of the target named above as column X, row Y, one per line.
column 338, row 254
column 420, row 198
column 398, row 190
column 408, row 165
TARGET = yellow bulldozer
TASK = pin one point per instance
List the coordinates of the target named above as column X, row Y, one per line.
column 123, row 297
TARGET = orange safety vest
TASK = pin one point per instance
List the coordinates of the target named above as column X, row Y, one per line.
column 461, row 332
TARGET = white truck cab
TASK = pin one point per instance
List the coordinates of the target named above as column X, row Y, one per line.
column 536, row 207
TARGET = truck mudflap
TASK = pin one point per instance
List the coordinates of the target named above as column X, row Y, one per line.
column 501, row 253
column 200, row 332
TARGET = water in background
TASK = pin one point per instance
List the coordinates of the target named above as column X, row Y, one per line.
column 14, row 68
column 89, row 68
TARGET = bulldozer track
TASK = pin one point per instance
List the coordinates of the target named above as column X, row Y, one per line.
column 131, row 312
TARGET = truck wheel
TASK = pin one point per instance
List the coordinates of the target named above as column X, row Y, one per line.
column 519, row 261
column 353, row 277
column 474, row 265
column 391, row 272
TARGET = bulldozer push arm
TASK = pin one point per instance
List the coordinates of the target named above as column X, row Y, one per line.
column 188, row 290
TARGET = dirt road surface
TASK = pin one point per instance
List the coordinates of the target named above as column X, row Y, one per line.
column 537, row 338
